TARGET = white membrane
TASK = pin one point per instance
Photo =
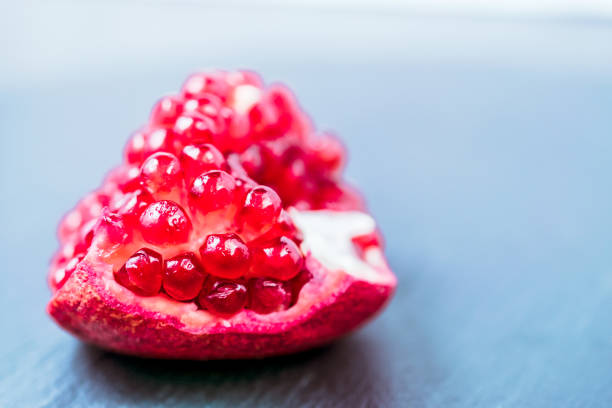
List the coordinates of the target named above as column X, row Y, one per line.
column 327, row 235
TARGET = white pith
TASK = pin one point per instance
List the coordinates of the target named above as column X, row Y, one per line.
column 328, row 237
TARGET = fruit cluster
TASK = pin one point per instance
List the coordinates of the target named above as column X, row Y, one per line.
column 183, row 214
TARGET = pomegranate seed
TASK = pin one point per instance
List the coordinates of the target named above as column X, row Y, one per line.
column 279, row 259
column 284, row 227
column 328, row 154
column 161, row 175
column 252, row 161
column 243, row 186
column 142, row 273
column 131, row 181
column 225, row 256
column 199, row 84
column 193, row 127
column 165, row 223
column 69, row 225
column 131, row 206
column 166, row 111
column 144, row 143
column 268, row 295
column 86, row 234
column 207, row 104
column 213, row 190
column 113, row 227
column 197, row 159
column 183, row 277
column 272, row 116
column 223, row 297
column 260, row 210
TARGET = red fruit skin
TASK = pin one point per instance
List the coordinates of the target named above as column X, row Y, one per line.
column 88, row 309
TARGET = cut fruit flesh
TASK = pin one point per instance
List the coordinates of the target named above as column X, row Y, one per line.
column 226, row 233
column 103, row 312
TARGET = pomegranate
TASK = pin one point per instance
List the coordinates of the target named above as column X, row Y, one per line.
column 227, row 232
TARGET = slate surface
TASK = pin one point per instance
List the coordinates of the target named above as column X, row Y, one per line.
column 489, row 174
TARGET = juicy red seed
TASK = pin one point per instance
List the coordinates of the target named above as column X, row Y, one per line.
column 142, row 272
column 161, row 173
column 252, row 161
column 166, row 110
column 197, row 159
column 207, row 104
column 284, row 227
column 213, row 190
column 225, row 256
column 272, row 116
column 86, row 237
column 268, row 295
column 199, row 84
column 183, row 277
column 243, row 186
column 328, row 153
column 144, row 143
column 132, row 205
column 260, row 210
column 113, row 227
column 279, row 259
column 193, row 127
column 165, row 223
column 223, row 297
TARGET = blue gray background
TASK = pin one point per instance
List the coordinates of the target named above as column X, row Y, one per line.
column 483, row 145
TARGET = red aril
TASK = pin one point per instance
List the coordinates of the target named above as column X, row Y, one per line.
column 200, row 158
column 223, row 297
column 166, row 111
column 183, row 277
column 268, row 295
column 165, row 223
column 279, row 259
column 142, row 272
column 213, row 190
column 225, row 256
column 260, row 211
column 161, row 175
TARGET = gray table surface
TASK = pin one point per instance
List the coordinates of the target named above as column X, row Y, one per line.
column 484, row 148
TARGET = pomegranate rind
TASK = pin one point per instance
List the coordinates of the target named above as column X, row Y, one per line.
column 330, row 305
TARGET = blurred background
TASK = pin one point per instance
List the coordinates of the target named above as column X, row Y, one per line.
column 481, row 135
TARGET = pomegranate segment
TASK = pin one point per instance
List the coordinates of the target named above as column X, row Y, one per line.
column 207, row 242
